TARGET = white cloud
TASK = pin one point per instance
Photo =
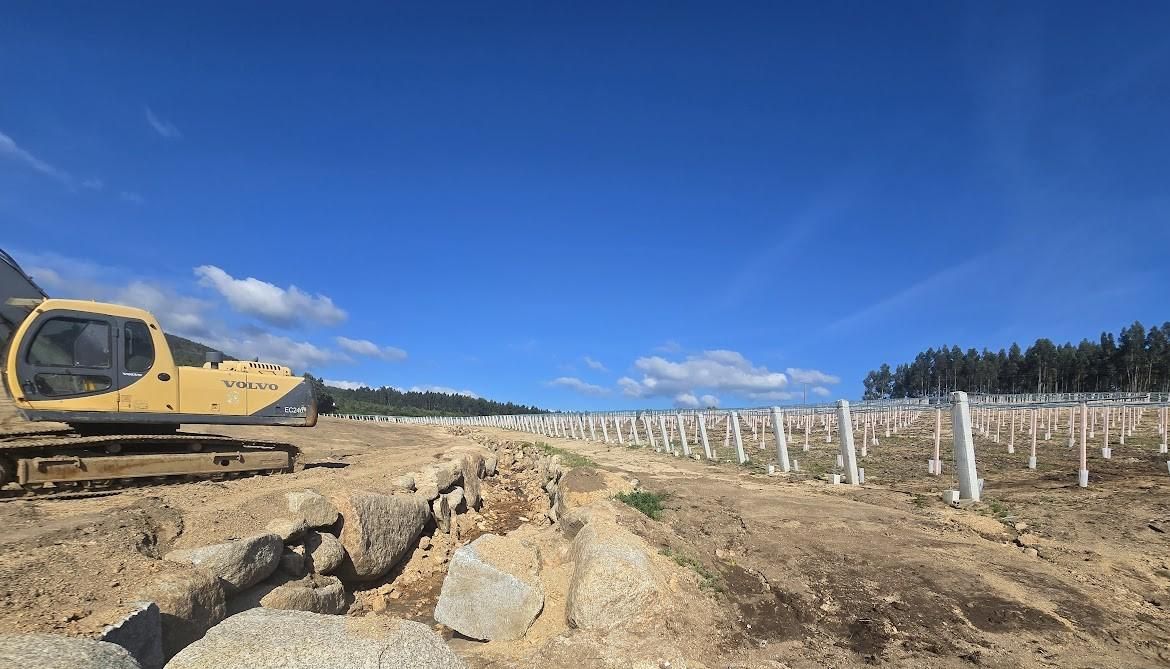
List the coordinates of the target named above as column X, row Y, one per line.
column 178, row 314
column 442, row 389
column 593, row 364
column 369, row 349
column 686, row 400
column 131, row 197
column 573, row 383
column 267, row 347
column 165, row 129
column 709, row 401
column 822, row 391
column 346, row 385
column 93, row 184
column 717, row 370
column 9, row 148
column 811, row 376
column 268, row 302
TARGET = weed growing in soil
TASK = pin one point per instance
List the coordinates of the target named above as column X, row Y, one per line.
column 568, row 458
column 997, row 509
column 649, row 503
column 708, row 580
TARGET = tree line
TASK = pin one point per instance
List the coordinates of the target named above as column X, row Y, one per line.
column 1137, row 360
column 387, row 401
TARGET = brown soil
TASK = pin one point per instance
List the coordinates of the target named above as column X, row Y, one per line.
column 786, row 572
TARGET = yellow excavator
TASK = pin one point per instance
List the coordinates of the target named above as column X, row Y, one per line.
column 107, row 372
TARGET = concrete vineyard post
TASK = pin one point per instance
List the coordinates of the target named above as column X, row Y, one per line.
column 682, row 436
column 1032, row 457
column 666, row 445
column 702, row 421
column 964, row 447
column 1083, row 473
column 848, row 454
column 781, row 439
column 936, row 463
column 739, row 452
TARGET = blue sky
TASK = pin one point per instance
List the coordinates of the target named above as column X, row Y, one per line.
column 592, row 205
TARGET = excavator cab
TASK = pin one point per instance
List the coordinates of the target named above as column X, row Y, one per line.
column 95, row 364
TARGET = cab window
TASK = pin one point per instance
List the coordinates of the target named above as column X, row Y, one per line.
column 71, row 342
column 139, row 349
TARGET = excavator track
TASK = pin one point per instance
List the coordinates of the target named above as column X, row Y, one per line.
column 65, row 464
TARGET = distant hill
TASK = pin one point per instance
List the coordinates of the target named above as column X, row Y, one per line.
column 189, row 353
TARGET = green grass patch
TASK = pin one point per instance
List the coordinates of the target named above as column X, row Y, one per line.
column 707, row 580
column 649, row 503
column 568, row 458
column 996, row 509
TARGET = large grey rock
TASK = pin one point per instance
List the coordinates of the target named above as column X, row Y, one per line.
column 274, row 639
column 614, row 579
column 492, row 589
column 312, row 507
column 323, row 553
column 241, row 563
column 377, row 531
column 472, row 467
column 190, row 602
column 49, row 651
column 490, row 464
column 140, row 633
column 319, row 594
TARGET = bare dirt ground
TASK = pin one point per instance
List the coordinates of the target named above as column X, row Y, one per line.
column 773, row 571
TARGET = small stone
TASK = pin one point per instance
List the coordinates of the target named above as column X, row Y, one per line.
column 424, row 542
column 323, row 553
column 1021, row 527
column 1031, row 552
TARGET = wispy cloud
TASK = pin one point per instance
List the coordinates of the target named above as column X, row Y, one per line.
column 369, row 349
column 905, row 297
column 165, row 129
column 573, row 383
column 593, row 364
column 131, row 197
column 13, row 151
column 668, row 346
column 92, row 184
